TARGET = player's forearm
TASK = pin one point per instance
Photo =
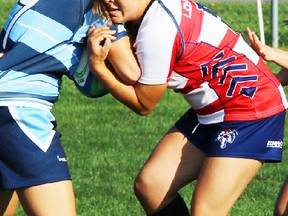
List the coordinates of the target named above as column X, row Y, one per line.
column 124, row 93
column 120, row 52
column 280, row 57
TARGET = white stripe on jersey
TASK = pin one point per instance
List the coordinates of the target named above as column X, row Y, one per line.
column 13, row 21
column 211, row 22
column 27, row 102
column 283, row 96
column 202, row 96
column 215, row 117
column 242, row 47
column 177, row 81
column 29, row 3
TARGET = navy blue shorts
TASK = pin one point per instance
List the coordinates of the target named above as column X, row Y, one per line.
column 30, row 148
column 260, row 139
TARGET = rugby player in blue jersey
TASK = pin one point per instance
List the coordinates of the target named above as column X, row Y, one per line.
column 41, row 42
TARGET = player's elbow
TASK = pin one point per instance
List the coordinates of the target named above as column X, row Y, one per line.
column 133, row 77
column 129, row 72
column 143, row 111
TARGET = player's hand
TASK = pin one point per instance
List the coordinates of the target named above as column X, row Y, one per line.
column 1, row 55
column 261, row 49
column 99, row 44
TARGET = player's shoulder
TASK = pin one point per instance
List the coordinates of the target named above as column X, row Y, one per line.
column 69, row 13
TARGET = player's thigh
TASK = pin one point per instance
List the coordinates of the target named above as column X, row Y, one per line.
column 221, row 182
column 173, row 163
column 51, row 199
column 8, row 202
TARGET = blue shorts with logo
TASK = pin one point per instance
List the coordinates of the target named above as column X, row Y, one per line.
column 30, row 149
column 261, row 139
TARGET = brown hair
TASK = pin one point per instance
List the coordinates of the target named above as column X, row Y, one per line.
column 99, row 8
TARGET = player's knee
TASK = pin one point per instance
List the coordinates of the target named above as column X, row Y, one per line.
column 205, row 207
column 144, row 184
column 281, row 210
column 140, row 184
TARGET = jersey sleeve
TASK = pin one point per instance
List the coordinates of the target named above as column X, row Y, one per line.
column 120, row 31
column 154, row 47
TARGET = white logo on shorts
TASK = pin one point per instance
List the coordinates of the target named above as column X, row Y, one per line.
column 226, row 136
column 274, row 144
column 63, row 159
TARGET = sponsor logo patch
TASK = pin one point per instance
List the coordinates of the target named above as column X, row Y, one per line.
column 274, row 144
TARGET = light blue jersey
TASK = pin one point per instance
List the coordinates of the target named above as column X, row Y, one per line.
column 41, row 46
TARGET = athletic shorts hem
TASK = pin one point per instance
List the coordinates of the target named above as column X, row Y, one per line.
column 35, row 183
column 256, row 157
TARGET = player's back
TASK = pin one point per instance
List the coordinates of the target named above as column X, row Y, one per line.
column 41, row 42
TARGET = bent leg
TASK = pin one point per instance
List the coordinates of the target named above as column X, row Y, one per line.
column 51, row 199
column 174, row 163
column 220, row 183
column 8, row 203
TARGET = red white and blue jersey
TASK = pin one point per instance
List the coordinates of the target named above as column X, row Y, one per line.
column 184, row 44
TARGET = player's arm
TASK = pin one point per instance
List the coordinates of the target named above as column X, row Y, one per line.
column 141, row 98
column 278, row 56
column 268, row 53
column 122, row 59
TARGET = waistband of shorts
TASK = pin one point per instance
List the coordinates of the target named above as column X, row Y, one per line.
column 34, row 103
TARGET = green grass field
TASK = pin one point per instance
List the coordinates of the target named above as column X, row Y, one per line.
column 107, row 144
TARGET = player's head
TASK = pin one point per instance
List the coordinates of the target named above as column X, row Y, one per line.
column 122, row 11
